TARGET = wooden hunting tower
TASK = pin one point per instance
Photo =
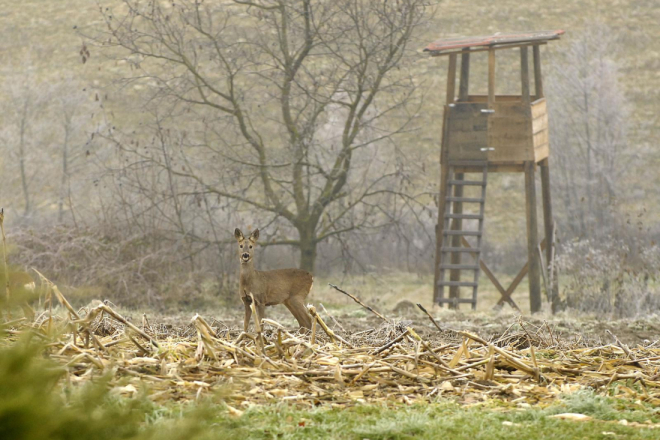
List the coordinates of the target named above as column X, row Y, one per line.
column 491, row 133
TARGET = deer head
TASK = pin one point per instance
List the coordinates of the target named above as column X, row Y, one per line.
column 246, row 247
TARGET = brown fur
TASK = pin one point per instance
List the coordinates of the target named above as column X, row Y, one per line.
column 271, row 287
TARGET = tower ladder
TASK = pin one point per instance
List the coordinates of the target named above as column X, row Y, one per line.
column 452, row 248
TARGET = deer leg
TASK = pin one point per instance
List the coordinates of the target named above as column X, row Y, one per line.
column 287, row 304
column 261, row 312
column 248, row 312
column 298, row 310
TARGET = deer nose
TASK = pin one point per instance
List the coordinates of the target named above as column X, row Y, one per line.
column 246, row 255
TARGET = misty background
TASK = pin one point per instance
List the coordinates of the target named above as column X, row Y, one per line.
column 135, row 136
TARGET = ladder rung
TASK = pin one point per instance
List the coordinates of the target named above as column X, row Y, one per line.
column 468, row 233
column 459, row 266
column 468, row 182
column 465, row 216
column 468, row 163
column 457, row 283
column 464, row 199
column 456, row 300
column 460, row 249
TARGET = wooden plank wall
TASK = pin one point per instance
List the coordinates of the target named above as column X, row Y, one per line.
column 540, row 130
column 467, row 131
column 516, row 133
column 509, row 132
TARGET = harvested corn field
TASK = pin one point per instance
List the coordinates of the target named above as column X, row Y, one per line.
column 393, row 362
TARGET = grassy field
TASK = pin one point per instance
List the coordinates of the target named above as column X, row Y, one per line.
column 446, row 419
column 387, row 290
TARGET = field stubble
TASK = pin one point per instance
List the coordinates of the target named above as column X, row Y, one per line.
column 344, row 361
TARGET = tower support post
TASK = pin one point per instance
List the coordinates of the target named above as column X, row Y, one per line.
column 450, row 96
column 548, row 223
column 465, row 76
column 444, row 178
column 534, row 274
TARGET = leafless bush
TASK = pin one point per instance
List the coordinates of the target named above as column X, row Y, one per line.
column 45, row 146
column 611, row 276
column 129, row 269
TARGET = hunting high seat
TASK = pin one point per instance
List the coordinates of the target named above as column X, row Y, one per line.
column 491, row 133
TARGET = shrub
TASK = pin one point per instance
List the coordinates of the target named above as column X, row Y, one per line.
column 129, row 269
column 611, row 276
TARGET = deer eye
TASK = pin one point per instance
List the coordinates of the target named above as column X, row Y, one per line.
column 241, row 246
column 250, row 246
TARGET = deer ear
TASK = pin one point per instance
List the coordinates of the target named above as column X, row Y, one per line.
column 254, row 236
column 238, row 234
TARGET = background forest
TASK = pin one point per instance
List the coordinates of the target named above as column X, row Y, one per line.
column 135, row 137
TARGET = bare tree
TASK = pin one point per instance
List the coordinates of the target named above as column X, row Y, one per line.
column 286, row 104
column 71, row 108
column 42, row 140
column 590, row 120
column 22, row 135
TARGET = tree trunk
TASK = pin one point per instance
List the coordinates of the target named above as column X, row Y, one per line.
column 21, row 162
column 307, row 249
column 65, row 174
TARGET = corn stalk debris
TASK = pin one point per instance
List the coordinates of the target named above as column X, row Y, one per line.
column 391, row 363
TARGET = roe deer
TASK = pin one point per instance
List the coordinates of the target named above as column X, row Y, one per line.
column 271, row 287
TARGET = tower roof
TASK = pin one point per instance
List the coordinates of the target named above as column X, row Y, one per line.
column 447, row 45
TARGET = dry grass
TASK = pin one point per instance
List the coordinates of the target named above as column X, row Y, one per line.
column 391, row 362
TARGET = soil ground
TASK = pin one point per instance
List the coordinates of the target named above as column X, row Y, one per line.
column 587, row 331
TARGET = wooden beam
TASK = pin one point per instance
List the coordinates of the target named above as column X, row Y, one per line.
column 549, row 226
column 444, row 169
column 491, row 78
column 547, row 207
column 456, row 225
column 524, row 75
column 494, row 168
column 465, row 76
column 512, row 287
column 451, row 79
column 486, row 49
column 516, row 281
column 491, row 277
column 538, row 79
column 544, row 272
column 535, row 299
